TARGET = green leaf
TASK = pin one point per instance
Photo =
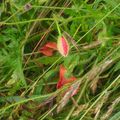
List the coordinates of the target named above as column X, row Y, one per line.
column 117, row 67
column 116, row 116
column 71, row 61
column 46, row 60
column 50, row 74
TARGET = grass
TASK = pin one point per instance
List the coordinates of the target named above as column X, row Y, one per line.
column 28, row 78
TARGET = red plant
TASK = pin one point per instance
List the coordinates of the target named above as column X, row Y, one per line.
column 63, row 46
column 70, row 92
column 63, row 80
column 48, row 48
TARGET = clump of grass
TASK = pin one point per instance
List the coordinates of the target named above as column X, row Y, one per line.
column 28, row 78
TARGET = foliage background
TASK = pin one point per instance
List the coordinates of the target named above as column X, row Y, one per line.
column 28, row 78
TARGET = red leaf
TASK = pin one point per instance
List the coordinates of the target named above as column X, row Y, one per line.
column 48, row 48
column 52, row 45
column 46, row 51
column 71, row 91
column 62, row 80
column 63, row 46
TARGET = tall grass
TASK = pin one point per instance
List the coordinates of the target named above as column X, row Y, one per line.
column 28, row 78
